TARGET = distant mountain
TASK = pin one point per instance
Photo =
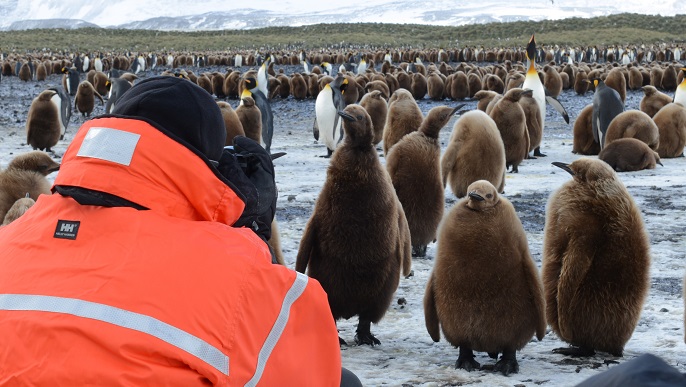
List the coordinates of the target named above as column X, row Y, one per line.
column 222, row 14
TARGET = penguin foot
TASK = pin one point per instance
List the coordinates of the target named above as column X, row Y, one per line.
column 364, row 335
column 366, row 339
column 515, row 169
column 493, row 355
column 506, row 366
column 529, row 157
column 537, row 152
column 419, row 251
column 507, row 363
column 575, row 351
column 466, row 360
column 467, row 364
column 341, row 341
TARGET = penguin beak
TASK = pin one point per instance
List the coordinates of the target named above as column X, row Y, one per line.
column 563, row 166
column 458, row 107
column 531, row 49
column 275, row 156
column 346, row 116
column 476, row 196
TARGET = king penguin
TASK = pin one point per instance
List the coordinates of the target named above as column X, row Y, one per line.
column 62, row 103
column 329, row 102
column 607, row 104
column 533, row 81
column 680, row 93
column 262, row 103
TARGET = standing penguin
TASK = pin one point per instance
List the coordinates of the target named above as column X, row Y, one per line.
column 85, row 98
column 265, row 107
column 680, row 93
column 232, row 123
column 25, row 175
column 607, row 104
column 404, row 116
column 484, row 290
column 375, row 105
column 414, row 166
column 509, row 116
column 117, row 87
column 671, row 123
column 475, row 152
column 533, row 81
column 43, row 126
column 357, row 203
column 328, row 123
column 584, row 142
column 595, row 260
column 70, row 80
column 250, row 117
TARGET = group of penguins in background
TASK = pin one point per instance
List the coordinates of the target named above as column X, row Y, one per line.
column 369, row 221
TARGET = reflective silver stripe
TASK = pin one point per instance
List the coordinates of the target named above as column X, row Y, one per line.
column 293, row 294
column 109, row 144
column 120, row 317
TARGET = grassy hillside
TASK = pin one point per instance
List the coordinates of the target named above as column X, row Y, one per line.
column 616, row 29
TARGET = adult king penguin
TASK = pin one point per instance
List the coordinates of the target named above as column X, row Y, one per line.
column 262, row 103
column 533, row 82
column 607, row 104
column 328, row 122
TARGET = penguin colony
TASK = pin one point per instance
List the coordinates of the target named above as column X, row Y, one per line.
column 325, row 249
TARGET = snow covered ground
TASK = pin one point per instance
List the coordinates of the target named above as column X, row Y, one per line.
column 407, row 356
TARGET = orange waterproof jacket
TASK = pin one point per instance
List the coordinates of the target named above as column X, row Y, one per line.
column 173, row 295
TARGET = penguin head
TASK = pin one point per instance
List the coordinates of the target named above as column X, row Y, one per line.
column 531, row 49
column 250, row 83
column 482, row 196
column 35, row 161
column 437, row 118
column 46, row 95
column 588, row 170
column 357, row 125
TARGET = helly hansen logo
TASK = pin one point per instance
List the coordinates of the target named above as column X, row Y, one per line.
column 67, row 229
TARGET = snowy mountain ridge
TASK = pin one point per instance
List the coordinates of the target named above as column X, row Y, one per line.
column 218, row 15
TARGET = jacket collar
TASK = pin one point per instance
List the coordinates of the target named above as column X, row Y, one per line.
column 132, row 159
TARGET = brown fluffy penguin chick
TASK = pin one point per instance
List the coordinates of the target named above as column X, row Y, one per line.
column 43, row 122
column 357, row 203
column 509, row 116
column 633, row 124
column 85, row 98
column 584, row 142
column 595, row 260
column 375, row 105
column 533, row 124
column 414, row 166
column 475, row 152
column 484, row 97
column 18, row 209
column 232, row 123
column 629, row 154
column 653, row 100
column 298, row 86
column 404, row 116
column 484, row 290
column 671, row 123
column 552, row 80
column 24, row 175
column 615, row 79
column 251, row 118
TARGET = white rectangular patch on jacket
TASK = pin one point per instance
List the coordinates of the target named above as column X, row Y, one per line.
column 109, row 144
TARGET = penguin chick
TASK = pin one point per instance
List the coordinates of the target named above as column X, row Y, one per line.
column 595, row 260
column 629, row 154
column 357, row 202
column 18, row 209
column 414, row 166
column 482, row 245
column 24, row 175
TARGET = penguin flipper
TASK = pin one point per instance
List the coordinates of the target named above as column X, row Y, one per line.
column 100, row 96
column 404, row 241
column 430, row 313
column 306, row 247
column 574, row 269
column 448, row 160
column 315, row 129
column 558, row 106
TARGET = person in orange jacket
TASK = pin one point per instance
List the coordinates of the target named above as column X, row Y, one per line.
column 134, row 271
